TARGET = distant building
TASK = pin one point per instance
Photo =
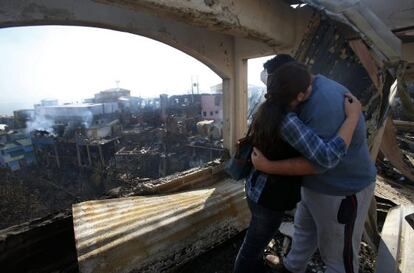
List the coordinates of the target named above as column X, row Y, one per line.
column 71, row 111
column 130, row 104
column 16, row 154
column 111, row 95
column 119, row 96
column 185, row 105
column 212, row 107
column 83, row 113
column 49, row 102
column 182, row 101
column 255, row 95
column 96, row 114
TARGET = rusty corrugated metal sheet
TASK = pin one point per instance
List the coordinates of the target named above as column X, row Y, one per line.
column 155, row 233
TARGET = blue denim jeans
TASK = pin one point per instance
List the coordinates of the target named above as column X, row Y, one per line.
column 262, row 227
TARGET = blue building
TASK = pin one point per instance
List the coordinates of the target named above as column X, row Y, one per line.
column 16, row 154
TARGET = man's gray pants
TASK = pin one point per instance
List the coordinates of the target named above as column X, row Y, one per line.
column 334, row 224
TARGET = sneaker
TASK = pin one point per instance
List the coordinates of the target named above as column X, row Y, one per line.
column 276, row 263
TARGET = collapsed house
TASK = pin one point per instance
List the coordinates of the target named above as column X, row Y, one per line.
column 82, row 152
column 356, row 43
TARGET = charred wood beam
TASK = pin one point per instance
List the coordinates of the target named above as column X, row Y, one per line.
column 57, row 156
column 88, row 152
column 78, row 155
column 403, row 125
column 392, row 152
column 369, row 63
column 101, row 156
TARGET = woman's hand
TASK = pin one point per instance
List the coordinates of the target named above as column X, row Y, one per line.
column 353, row 107
column 353, row 112
column 260, row 162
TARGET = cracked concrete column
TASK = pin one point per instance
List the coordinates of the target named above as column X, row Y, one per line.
column 235, row 104
column 240, row 96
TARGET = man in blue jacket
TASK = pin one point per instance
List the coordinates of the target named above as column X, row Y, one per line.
column 335, row 201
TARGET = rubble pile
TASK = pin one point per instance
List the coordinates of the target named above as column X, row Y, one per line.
column 110, row 142
column 158, row 152
column 221, row 259
column 316, row 265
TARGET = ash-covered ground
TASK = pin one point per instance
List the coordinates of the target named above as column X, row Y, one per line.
column 221, row 258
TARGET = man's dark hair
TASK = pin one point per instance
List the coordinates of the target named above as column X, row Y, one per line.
column 273, row 64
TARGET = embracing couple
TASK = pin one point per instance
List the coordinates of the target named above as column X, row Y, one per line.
column 310, row 147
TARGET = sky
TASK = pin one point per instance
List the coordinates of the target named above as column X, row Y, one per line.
column 73, row 63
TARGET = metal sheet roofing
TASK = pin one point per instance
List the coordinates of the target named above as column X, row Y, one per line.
column 150, row 234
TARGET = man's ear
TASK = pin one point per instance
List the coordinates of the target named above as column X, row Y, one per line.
column 300, row 97
column 264, row 76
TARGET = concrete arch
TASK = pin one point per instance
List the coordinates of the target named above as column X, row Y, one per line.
column 213, row 49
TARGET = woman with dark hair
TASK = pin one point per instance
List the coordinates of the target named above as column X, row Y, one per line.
column 269, row 196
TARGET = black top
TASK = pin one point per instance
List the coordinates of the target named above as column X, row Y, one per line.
column 281, row 192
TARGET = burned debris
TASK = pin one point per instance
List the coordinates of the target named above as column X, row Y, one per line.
column 81, row 151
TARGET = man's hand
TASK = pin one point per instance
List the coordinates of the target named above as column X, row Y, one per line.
column 260, row 162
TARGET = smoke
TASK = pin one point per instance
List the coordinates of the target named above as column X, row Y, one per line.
column 40, row 123
column 87, row 119
column 61, row 124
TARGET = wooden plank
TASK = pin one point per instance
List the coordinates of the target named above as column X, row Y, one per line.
column 362, row 51
column 397, row 193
